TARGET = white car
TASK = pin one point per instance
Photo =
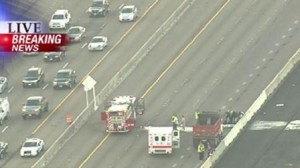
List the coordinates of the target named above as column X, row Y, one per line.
column 97, row 43
column 60, row 19
column 128, row 13
column 3, row 84
column 32, row 147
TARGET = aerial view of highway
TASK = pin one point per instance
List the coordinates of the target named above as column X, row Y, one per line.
column 182, row 56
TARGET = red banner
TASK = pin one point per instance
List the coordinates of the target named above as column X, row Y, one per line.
column 32, row 42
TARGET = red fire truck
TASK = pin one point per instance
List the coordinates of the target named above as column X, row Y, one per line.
column 120, row 113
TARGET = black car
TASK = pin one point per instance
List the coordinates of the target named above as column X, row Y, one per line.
column 34, row 106
column 65, row 78
column 34, row 77
column 54, row 56
column 98, row 8
column 3, row 149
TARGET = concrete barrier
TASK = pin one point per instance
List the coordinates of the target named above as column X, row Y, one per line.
column 266, row 93
column 118, row 78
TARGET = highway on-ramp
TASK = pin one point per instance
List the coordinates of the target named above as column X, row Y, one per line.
column 224, row 60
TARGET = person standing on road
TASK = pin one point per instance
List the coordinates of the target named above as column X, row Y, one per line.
column 174, row 122
column 197, row 115
column 183, row 122
column 201, row 150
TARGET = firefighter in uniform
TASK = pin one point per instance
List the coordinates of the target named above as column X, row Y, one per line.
column 201, row 150
column 174, row 122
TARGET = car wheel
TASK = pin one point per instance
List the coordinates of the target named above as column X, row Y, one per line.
column 24, row 117
column 46, row 109
column 39, row 115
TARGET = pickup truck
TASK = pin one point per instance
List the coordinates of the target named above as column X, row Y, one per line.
column 3, row 149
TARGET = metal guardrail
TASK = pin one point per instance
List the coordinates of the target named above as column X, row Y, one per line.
column 125, row 71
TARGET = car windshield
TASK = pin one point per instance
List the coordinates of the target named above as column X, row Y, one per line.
column 30, row 144
column 2, row 144
column 52, row 53
column 74, row 31
column 127, row 10
column 32, row 73
column 58, row 17
column 62, row 75
column 97, row 40
column 97, row 4
column 32, row 102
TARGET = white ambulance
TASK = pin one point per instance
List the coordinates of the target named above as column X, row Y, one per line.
column 160, row 140
column 4, row 109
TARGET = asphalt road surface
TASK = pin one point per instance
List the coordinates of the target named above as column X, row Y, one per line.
column 271, row 139
column 226, row 67
column 52, row 124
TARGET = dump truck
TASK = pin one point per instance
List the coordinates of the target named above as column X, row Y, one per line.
column 208, row 128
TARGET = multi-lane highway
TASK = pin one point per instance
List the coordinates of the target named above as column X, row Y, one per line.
column 236, row 52
column 78, row 58
column 238, row 47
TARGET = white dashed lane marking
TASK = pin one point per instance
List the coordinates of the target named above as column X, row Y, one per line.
column 4, row 129
column 45, row 86
column 12, row 88
column 84, row 45
column 65, row 65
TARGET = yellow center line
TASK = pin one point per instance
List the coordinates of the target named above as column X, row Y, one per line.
column 161, row 75
column 93, row 69
column 95, row 149
column 185, row 48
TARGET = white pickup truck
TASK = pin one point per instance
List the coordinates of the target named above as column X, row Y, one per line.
column 4, row 109
column 60, row 19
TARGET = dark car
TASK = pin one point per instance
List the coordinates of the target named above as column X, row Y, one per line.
column 65, row 78
column 3, row 149
column 76, row 33
column 98, row 8
column 54, row 56
column 34, row 106
column 34, row 77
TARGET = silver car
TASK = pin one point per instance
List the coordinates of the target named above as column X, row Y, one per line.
column 3, row 84
column 76, row 33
